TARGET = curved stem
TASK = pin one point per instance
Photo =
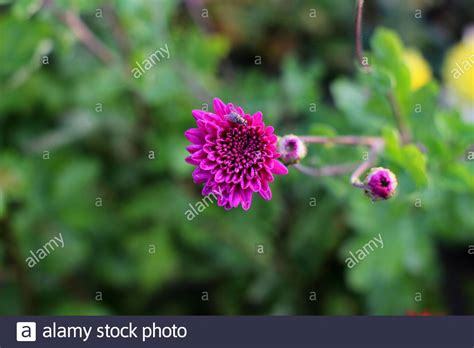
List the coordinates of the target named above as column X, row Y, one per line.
column 326, row 171
column 375, row 149
column 376, row 145
column 343, row 139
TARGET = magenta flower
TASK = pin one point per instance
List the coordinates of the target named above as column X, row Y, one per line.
column 292, row 149
column 234, row 154
column 380, row 183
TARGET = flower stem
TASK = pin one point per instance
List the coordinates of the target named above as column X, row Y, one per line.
column 399, row 119
column 326, row 171
column 376, row 145
column 85, row 35
column 375, row 149
column 344, row 140
column 358, row 34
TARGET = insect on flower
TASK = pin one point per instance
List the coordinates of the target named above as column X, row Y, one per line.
column 234, row 117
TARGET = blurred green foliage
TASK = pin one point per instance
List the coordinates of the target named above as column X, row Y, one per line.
column 76, row 135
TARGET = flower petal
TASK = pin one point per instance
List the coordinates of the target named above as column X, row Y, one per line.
column 247, row 199
column 219, row 107
column 195, row 136
column 266, row 194
column 193, row 148
column 279, row 168
column 235, row 196
column 200, row 176
column 199, row 114
column 257, row 118
column 192, row 161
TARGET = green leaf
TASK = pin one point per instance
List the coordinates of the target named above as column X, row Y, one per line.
column 352, row 99
column 409, row 157
column 379, row 79
column 388, row 59
column 26, row 8
column 415, row 163
column 392, row 145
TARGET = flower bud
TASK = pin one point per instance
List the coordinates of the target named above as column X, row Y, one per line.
column 292, row 149
column 380, row 183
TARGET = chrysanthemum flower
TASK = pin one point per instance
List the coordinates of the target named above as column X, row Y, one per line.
column 234, row 153
column 380, row 183
column 292, row 149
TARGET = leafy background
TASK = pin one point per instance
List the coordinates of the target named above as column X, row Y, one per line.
column 99, row 125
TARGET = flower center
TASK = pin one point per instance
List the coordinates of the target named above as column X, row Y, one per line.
column 384, row 182
column 240, row 147
column 290, row 146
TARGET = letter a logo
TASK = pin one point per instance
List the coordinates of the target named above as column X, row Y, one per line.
column 26, row 332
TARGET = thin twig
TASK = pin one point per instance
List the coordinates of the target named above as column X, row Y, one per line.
column 118, row 31
column 376, row 145
column 358, row 35
column 121, row 37
column 344, row 140
column 86, row 36
column 375, row 149
column 326, row 171
column 399, row 120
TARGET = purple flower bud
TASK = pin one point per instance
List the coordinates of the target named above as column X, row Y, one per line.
column 380, row 183
column 292, row 149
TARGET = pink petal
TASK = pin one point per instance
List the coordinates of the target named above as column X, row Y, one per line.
column 199, row 155
column 279, row 168
column 257, row 118
column 219, row 176
column 207, row 189
column 199, row 114
column 207, row 165
column 269, row 130
column 212, row 156
column 219, row 107
column 266, row 194
column 195, row 136
column 192, row 161
column 255, row 185
column 235, row 197
column 247, row 199
column 193, row 148
column 199, row 176
column 272, row 139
